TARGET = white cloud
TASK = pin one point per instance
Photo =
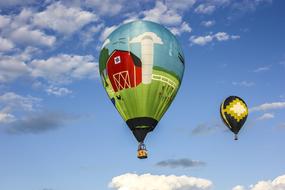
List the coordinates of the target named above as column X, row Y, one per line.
column 131, row 181
column 63, row 19
column 58, row 91
column 181, row 4
column 88, row 35
column 219, row 36
column 205, row 9
column 222, row 36
column 25, row 35
column 64, row 68
column 168, row 14
column 266, row 116
column 162, row 14
column 268, row 106
column 5, row 44
column 4, row 21
column 243, row 83
column 201, row 40
column 13, row 101
column 238, row 187
column 22, row 18
column 20, row 30
column 108, row 8
column 183, row 28
column 6, row 117
column 11, row 68
column 277, row 184
column 261, row 69
column 208, row 23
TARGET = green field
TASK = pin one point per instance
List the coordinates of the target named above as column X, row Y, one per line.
column 151, row 100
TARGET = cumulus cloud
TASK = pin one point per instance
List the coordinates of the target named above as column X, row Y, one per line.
column 219, row 36
column 5, row 44
column 201, row 40
column 266, row 116
column 4, row 21
column 208, row 23
column 205, row 9
column 222, row 36
column 104, row 8
column 185, row 27
column 158, row 182
column 11, row 68
column 17, row 29
column 64, row 68
column 276, row 184
column 63, row 19
column 184, row 163
column 88, row 35
column 168, row 13
column 26, row 35
column 162, row 14
column 5, row 116
column 181, row 4
column 243, row 83
column 38, row 123
column 238, row 187
column 58, row 91
column 268, row 106
column 14, row 101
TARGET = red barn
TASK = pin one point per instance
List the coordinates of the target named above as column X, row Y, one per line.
column 124, row 70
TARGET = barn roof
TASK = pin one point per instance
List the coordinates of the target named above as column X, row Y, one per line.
column 135, row 58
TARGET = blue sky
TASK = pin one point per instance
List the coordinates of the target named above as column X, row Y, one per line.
column 59, row 131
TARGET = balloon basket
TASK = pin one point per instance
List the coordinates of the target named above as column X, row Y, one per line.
column 142, row 152
column 236, row 137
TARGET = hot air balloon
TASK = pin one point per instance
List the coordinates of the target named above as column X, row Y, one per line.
column 141, row 65
column 234, row 112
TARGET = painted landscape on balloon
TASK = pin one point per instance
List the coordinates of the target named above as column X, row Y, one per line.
column 133, row 69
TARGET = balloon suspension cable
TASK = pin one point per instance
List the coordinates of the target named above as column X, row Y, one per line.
column 236, row 137
column 142, row 152
column 141, row 146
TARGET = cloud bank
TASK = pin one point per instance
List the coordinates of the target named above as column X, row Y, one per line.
column 131, row 181
column 276, row 184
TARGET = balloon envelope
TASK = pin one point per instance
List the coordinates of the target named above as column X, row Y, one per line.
column 141, row 65
column 234, row 113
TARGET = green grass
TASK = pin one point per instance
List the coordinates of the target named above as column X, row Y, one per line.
column 151, row 100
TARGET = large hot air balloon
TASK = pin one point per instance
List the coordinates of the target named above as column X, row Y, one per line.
column 234, row 112
column 141, row 65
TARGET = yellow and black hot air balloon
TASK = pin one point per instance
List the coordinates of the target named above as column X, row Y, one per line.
column 234, row 112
